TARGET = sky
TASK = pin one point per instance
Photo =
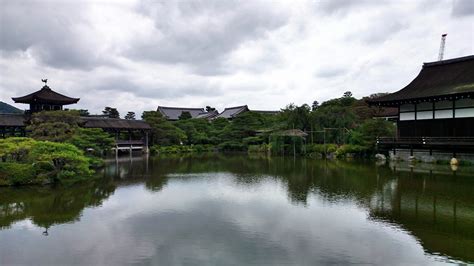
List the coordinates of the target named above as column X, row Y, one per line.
column 137, row 54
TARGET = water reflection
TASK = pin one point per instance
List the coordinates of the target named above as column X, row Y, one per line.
column 222, row 209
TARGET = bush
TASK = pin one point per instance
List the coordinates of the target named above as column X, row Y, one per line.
column 231, row 146
column 321, row 148
column 262, row 148
column 17, row 174
column 181, row 149
column 357, row 150
column 25, row 161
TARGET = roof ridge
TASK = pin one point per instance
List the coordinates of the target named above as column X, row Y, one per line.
column 449, row 61
column 235, row 107
column 187, row 108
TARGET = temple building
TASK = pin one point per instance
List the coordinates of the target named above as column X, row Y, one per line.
column 436, row 109
column 129, row 134
column 45, row 100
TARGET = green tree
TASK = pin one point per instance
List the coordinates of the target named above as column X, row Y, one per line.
column 185, row 115
column 163, row 132
column 130, row 116
column 111, row 112
column 58, row 126
column 93, row 140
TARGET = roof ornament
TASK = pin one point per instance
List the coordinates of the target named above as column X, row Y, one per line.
column 441, row 47
column 45, row 81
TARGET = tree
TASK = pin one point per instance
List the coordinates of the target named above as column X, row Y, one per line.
column 347, row 94
column 315, row 105
column 185, row 115
column 111, row 112
column 163, row 132
column 130, row 116
column 58, row 126
column 84, row 112
column 210, row 109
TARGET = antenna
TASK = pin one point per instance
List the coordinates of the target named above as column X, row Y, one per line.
column 441, row 47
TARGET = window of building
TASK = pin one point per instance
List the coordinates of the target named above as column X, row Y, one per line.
column 407, row 108
column 407, row 116
column 464, row 112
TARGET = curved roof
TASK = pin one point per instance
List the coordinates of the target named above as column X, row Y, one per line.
column 436, row 80
column 173, row 113
column 232, row 112
column 12, row 120
column 114, row 123
column 46, row 95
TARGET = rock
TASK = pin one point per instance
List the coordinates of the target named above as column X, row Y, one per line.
column 454, row 161
column 380, row 157
column 393, row 156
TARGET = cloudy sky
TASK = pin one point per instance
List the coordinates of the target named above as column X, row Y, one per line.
column 138, row 54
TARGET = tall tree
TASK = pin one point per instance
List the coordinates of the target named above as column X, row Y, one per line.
column 210, row 109
column 111, row 112
column 315, row 105
column 185, row 115
column 130, row 116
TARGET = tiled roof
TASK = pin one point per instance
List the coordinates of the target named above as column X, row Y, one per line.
column 232, row 112
column 208, row 115
column 114, row 123
column 173, row 113
column 12, row 120
column 442, row 79
column 46, row 95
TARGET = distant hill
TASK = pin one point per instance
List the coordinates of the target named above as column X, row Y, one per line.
column 8, row 109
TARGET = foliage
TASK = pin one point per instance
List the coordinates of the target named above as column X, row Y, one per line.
column 181, row 149
column 368, row 132
column 130, row 116
column 262, row 148
column 58, row 126
column 163, row 132
column 93, row 140
column 64, row 126
column 185, row 115
column 27, row 161
column 111, row 112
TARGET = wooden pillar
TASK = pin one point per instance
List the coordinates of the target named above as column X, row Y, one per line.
column 146, row 142
column 130, row 141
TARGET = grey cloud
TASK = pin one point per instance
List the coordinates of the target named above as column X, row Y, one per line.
column 49, row 32
column 156, row 90
column 330, row 72
column 463, row 8
column 201, row 34
column 343, row 6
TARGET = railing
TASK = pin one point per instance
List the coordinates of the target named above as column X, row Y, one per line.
column 129, row 142
column 427, row 142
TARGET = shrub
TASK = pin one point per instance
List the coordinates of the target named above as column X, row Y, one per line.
column 26, row 161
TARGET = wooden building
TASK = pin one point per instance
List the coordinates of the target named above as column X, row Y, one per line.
column 129, row 134
column 436, row 109
column 45, row 100
column 173, row 113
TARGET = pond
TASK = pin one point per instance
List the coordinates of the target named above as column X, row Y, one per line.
column 241, row 210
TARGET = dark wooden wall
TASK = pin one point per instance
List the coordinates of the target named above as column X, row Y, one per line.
column 459, row 127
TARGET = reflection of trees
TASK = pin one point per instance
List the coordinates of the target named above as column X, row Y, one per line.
column 47, row 206
column 436, row 208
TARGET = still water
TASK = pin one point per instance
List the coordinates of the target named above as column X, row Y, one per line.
column 240, row 210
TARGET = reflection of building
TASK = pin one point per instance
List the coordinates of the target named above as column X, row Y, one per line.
column 438, row 209
column 436, row 110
